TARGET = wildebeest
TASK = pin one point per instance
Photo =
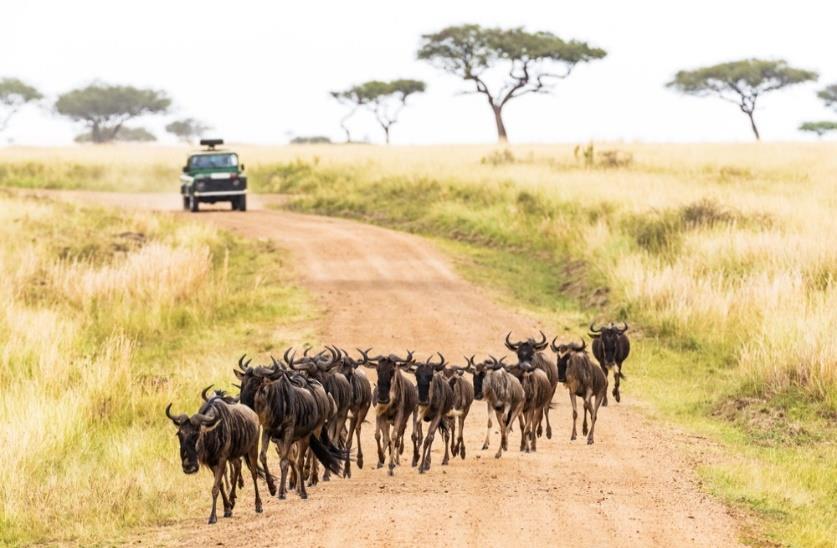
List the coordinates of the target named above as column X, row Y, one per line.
column 531, row 351
column 611, row 347
column 537, row 397
column 337, row 386
column 396, row 401
column 292, row 410
column 502, row 393
column 358, row 408
column 463, row 397
column 435, row 406
column 583, row 379
column 218, row 433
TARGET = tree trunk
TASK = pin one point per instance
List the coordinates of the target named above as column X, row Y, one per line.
column 343, row 125
column 753, row 125
column 502, row 136
column 386, row 132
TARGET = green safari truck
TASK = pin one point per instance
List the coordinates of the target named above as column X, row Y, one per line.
column 213, row 175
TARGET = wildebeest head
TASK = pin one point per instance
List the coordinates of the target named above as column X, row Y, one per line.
column 387, row 368
column 525, row 350
column 189, row 430
column 346, row 364
column 564, row 352
column 609, row 336
column 252, row 378
column 424, row 376
column 479, row 370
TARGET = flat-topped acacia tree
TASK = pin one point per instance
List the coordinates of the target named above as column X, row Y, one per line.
column 829, row 96
column 530, row 62
column 14, row 94
column 385, row 100
column 741, row 82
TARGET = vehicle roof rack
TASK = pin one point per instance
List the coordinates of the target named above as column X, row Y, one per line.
column 211, row 143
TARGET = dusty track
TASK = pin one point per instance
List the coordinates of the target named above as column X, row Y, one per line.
column 393, row 291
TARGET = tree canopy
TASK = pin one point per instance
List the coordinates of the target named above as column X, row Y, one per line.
column 533, row 62
column 105, row 108
column 741, row 82
column 829, row 96
column 125, row 134
column 385, row 100
column 819, row 128
column 187, row 129
column 14, row 94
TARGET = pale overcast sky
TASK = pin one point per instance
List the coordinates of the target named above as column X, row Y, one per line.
column 260, row 71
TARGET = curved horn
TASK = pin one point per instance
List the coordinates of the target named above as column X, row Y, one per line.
column 177, row 420
column 241, row 362
column 204, row 391
column 593, row 329
column 208, row 420
column 542, row 344
column 276, row 364
column 288, row 356
column 624, row 328
column 578, row 348
column 554, row 346
column 510, row 345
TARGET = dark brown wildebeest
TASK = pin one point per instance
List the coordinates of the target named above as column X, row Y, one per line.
column 435, row 405
column 611, row 347
column 234, row 464
column 337, row 386
column 396, row 400
column 463, row 397
column 531, row 351
column 358, row 408
column 583, row 379
column 502, row 393
column 218, row 433
column 537, row 397
column 292, row 411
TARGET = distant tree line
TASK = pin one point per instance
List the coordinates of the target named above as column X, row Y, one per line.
column 498, row 64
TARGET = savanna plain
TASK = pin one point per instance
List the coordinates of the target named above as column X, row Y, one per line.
column 722, row 258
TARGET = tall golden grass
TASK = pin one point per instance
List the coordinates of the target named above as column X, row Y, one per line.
column 104, row 318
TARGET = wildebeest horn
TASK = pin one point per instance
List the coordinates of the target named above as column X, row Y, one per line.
column 406, row 360
column 436, row 366
column 288, row 356
column 624, row 328
column 578, row 348
column 593, row 328
column 542, row 344
column 510, row 345
column 242, row 364
column 204, row 391
column 177, row 420
column 208, row 420
column 554, row 346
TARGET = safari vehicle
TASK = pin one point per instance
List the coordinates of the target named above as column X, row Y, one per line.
column 213, row 175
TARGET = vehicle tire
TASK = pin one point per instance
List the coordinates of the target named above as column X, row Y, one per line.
column 193, row 203
column 242, row 202
column 185, row 203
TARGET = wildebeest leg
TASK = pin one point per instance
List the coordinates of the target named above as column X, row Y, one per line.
column 461, row 440
column 575, row 413
column 428, row 443
column 594, row 411
column 523, row 428
column 358, row 425
column 271, row 487
column 617, row 373
column 446, row 428
column 391, row 441
column 236, row 465
column 417, row 438
column 284, row 449
column 303, row 449
column 584, row 424
column 251, row 461
column 218, row 471
column 513, row 414
column 503, row 432
column 454, row 446
column 546, row 415
column 347, row 470
column 488, row 430
column 538, row 416
column 379, row 429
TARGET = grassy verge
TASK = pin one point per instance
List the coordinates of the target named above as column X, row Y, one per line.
column 105, row 318
column 709, row 355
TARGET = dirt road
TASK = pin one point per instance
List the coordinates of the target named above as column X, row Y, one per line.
column 634, row 486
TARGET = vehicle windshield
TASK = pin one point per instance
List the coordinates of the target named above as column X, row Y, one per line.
column 212, row 161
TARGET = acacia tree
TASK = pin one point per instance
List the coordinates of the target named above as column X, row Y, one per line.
column 532, row 62
column 125, row 134
column 14, row 94
column 105, row 108
column 351, row 98
column 829, row 96
column 187, row 129
column 386, row 100
column 818, row 128
column 741, row 82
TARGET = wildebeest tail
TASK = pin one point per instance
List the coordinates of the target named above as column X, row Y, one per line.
column 330, row 457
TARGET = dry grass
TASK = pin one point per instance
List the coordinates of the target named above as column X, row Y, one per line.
column 104, row 318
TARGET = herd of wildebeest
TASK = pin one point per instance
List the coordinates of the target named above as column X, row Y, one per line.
column 312, row 406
